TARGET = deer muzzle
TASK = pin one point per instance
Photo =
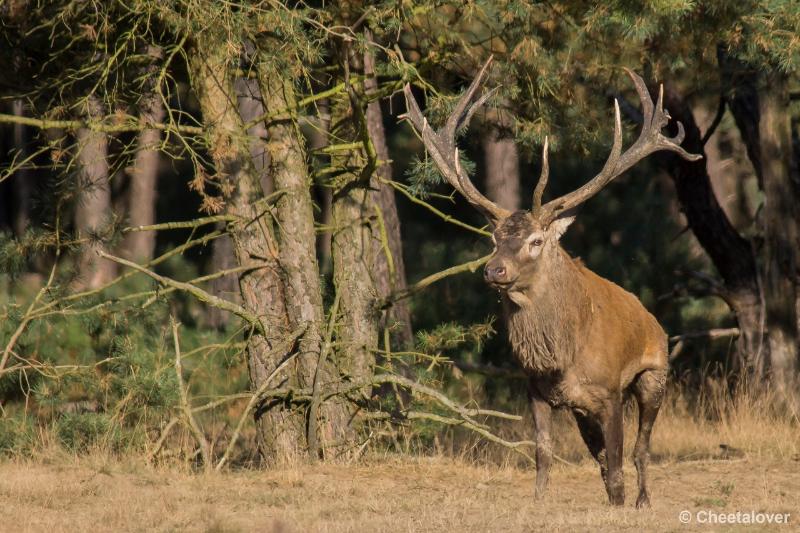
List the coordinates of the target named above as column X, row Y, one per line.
column 497, row 274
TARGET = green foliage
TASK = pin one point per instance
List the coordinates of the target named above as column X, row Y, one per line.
column 80, row 432
column 17, row 435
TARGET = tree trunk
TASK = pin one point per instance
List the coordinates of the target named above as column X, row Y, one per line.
column 502, row 161
column 390, row 273
column 355, row 236
column 140, row 245
column 771, row 144
column 222, row 257
column 731, row 254
column 759, row 103
column 318, row 139
column 280, row 430
column 93, row 201
column 298, row 260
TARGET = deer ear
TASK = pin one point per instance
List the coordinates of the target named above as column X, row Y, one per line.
column 559, row 226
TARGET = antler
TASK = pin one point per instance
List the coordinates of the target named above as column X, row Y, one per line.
column 442, row 144
column 650, row 140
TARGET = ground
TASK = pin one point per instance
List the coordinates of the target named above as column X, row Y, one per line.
column 384, row 494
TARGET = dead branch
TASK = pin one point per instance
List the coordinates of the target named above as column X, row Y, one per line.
column 470, row 266
column 205, row 448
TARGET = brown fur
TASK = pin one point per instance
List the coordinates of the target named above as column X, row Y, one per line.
column 584, row 341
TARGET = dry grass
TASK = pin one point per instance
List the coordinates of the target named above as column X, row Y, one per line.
column 466, row 485
column 378, row 494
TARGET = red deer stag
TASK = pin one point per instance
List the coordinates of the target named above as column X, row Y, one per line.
column 583, row 340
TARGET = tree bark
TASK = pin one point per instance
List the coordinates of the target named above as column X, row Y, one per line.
column 731, row 254
column 780, row 233
column 355, row 239
column 280, row 430
column 140, row 245
column 390, row 273
column 501, row 159
column 93, row 201
column 298, row 261
column 759, row 102
column 318, row 139
column 222, row 257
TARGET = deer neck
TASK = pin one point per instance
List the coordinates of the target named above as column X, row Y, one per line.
column 548, row 312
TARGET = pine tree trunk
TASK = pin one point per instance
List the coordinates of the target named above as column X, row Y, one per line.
column 780, row 220
column 300, row 271
column 759, row 104
column 280, row 430
column 502, row 161
column 318, row 139
column 93, row 201
column 355, row 238
column 222, row 257
column 390, row 273
column 140, row 245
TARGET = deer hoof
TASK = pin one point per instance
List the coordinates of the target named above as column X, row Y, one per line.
column 643, row 501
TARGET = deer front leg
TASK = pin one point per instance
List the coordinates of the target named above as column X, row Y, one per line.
column 612, row 434
column 542, row 414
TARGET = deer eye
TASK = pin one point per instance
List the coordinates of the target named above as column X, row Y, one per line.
column 537, row 242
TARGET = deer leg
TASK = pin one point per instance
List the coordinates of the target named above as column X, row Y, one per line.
column 612, row 435
column 649, row 391
column 542, row 414
column 592, row 435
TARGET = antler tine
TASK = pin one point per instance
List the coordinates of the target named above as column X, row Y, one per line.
column 465, row 107
column 644, row 97
column 413, row 112
column 650, row 140
column 543, row 177
column 616, row 148
column 442, row 147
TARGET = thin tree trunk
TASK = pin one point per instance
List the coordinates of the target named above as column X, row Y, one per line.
column 501, row 158
column 390, row 273
column 23, row 178
column 93, row 201
column 140, row 245
column 731, row 254
column 298, row 260
column 318, row 139
column 280, row 430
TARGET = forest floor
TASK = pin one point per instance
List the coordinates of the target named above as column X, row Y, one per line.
column 386, row 494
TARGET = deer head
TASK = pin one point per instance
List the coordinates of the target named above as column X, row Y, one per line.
column 522, row 238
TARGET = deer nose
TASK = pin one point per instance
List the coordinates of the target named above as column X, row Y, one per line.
column 495, row 273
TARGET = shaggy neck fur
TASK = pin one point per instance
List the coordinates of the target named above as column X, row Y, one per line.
column 547, row 313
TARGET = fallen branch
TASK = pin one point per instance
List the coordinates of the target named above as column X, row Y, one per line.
column 719, row 333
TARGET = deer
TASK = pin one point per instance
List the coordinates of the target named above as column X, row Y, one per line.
column 584, row 342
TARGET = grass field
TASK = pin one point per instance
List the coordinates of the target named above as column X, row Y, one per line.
column 383, row 494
